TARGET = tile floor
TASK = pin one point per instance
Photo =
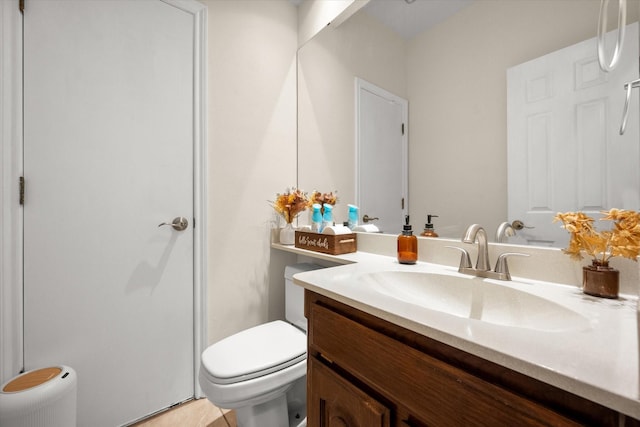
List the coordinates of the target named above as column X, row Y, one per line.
column 196, row 413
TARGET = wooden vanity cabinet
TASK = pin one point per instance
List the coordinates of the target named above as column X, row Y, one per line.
column 366, row 372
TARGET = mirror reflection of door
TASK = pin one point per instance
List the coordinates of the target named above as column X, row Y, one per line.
column 564, row 148
column 382, row 171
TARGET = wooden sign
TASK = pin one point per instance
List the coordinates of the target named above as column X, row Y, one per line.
column 327, row 243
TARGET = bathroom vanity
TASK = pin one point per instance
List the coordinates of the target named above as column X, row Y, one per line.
column 388, row 348
column 364, row 371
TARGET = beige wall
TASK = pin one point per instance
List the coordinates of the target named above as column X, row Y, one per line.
column 252, row 155
column 326, row 92
column 458, row 137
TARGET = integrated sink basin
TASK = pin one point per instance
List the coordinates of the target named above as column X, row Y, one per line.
column 475, row 298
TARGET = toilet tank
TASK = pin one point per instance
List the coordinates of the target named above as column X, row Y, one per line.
column 294, row 294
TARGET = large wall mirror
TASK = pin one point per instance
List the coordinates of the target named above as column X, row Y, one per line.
column 454, row 72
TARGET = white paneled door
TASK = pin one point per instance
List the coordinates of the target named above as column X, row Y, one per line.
column 108, row 156
column 565, row 151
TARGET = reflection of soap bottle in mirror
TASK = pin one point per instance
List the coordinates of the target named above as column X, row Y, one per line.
column 327, row 216
column 429, row 231
column 316, row 218
column 407, row 245
column 353, row 216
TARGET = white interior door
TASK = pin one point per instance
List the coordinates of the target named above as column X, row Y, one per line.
column 565, row 151
column 382, row 156
column 108, row 155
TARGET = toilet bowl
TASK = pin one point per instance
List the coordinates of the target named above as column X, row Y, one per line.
column 261, row 372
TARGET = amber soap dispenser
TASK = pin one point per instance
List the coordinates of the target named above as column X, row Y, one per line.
column 407, row 245
column 429, row 231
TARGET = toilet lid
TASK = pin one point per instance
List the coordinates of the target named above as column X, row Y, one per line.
column 255, row 352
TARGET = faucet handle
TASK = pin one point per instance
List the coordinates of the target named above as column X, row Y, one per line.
column 502, row 267
column 465, row 260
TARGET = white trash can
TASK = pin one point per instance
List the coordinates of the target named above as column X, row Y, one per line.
column 39, row 398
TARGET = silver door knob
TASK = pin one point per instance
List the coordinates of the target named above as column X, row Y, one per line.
column 179, row 223
column 368, row 218
column 519, row 225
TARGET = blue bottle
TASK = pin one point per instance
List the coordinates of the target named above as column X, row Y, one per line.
column 327, row 217
column 353, row 217
column 316, row 218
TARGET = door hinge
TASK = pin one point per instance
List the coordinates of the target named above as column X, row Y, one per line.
column 402, row 203
column 21, row 5
column 21, row 190
column 403, row 128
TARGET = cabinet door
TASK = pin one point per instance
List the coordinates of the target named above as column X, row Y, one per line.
column 335, row 402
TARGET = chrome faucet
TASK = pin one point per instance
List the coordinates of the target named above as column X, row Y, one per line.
column 483, row 269
column 476, row 231
column 504, row 231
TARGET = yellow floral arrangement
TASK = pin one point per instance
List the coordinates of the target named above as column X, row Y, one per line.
column 290, row 203
column 322, row 198
column 622, row 240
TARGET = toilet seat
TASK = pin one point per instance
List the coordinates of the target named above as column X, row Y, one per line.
column 254, row 353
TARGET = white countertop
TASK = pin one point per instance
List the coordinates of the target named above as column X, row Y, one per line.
column 599, row 362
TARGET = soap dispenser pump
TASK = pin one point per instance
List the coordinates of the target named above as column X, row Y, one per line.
column 407, row 245
column 429, row 231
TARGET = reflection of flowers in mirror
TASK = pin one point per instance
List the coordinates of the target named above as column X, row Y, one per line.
column 322, row 198
column 290, row 203
column 623, row 239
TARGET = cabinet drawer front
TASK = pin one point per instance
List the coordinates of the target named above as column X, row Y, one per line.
column 435, row 392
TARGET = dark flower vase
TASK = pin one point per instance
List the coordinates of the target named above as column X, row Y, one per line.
column 600, row 280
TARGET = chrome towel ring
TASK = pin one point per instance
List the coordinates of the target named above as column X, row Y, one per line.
column 602, row 31
column 625, row 112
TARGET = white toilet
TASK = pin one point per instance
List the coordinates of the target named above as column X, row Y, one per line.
column 261, row 372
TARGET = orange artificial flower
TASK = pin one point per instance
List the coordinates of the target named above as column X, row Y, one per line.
column 622, row 240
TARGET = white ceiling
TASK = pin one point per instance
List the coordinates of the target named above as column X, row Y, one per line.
column 410, row 19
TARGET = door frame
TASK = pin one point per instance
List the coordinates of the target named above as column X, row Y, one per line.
column 11, row 227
